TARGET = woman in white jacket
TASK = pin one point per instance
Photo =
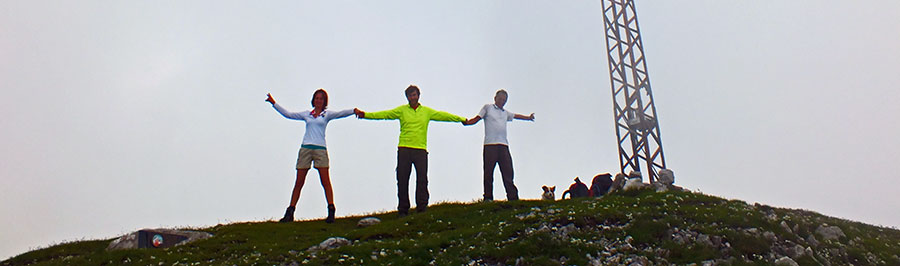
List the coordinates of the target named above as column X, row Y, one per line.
column 312, row 150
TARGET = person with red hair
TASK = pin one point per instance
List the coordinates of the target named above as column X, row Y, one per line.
column 312, row 149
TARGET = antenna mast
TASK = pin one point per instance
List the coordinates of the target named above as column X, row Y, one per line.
column 637, row 129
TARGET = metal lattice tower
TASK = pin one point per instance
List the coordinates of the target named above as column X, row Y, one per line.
column 637, row 130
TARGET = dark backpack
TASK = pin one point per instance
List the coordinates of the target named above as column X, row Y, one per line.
column 600, row 184
column 577, row 190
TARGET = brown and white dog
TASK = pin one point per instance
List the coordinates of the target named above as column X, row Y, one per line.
column 549, row 193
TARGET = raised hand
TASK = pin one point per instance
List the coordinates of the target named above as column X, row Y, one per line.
column 523, row 117
column 270, row 99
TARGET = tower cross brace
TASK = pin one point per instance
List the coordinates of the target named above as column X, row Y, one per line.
column 637, row 127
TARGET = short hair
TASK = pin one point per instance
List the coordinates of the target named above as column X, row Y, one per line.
column 412, row 88
column 502, row 91
column 313, row 101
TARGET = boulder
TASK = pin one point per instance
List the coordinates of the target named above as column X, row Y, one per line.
column 369, row 221
column 330, row 243
column 785, row 261
column 786, row 228
column 811, row 239
column 659, row 187
column 704, row 240
column 634, row 183
column 618, row 183
column 129, row 241
column 666, row 177
column 752, row 231
column 770, row 236
column 179, row 237
column 634, row 174
column 796, row 251
column 830, row 232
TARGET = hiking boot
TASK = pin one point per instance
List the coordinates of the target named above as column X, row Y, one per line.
column 330, row 218
column 421, row 209
column 487, row 198
column 288, row 215
column 402, row 213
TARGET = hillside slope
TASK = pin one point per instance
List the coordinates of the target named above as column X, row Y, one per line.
column 643, row 227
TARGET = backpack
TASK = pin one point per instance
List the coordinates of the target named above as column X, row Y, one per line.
column 577, row 190
column 600, row 184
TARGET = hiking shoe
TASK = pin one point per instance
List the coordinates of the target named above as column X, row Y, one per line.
column 330, row 218
column 421, row 209
column 288, row 215
column 403, row 213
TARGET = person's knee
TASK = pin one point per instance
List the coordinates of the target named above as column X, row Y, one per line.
column 489, row 167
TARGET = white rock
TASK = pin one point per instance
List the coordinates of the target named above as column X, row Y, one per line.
column 634, row 174
column 753, row 231
column 369, row 221
column 830, row 232
column 666, row 177
column 785, row 261
column 785, row 226
column 634, row 183
column 330, row 243
column 660, row 187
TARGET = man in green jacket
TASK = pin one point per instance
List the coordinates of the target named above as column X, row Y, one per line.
column 411, row 150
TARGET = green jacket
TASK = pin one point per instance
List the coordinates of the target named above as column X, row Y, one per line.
column 414, row 123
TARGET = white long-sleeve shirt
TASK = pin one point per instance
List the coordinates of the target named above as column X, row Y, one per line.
column 315, row 126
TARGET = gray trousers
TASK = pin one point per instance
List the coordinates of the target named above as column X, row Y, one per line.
column 406, row 158
column 498, row 154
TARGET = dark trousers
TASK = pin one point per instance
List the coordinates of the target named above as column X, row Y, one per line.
column 406, row 158
column 493, row 155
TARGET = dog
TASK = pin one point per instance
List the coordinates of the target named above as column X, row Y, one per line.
column 600, row 185
column 577, row 190
column 549, row 193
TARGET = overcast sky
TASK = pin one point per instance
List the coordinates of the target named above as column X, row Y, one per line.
column 118, row 116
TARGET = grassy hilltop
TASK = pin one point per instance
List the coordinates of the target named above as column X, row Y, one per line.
column 643, row 227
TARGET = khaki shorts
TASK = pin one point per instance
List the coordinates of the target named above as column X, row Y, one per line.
column 309, row 156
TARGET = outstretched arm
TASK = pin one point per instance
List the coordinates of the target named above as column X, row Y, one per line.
column 386, row 114
column 339, row 114
column 282, row 111
column 481, row 114
column 472, row 121
column 448, row 117
column 523, row 117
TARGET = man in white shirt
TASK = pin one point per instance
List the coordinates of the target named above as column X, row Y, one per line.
column 496, row 146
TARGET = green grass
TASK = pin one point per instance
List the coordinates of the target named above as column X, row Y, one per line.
column 529, row 232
